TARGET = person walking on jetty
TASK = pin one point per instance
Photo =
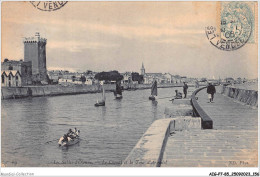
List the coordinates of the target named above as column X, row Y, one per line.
column 211, row 90
column 197, row 85
column 185, row 88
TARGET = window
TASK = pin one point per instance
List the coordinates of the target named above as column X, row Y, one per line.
column 3, row 79
column 10, row 68
column 16, row 77
column 10, row 77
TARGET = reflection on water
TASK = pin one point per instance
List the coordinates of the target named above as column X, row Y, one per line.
column 31, row 128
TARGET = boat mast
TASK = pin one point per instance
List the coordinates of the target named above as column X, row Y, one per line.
column 103, row 94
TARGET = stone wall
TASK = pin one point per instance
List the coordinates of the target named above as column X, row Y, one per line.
column 249, row 97
column 50, row 90
column 206, row 121
column 148, row 86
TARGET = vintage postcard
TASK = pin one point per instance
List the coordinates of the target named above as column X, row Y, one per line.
column 129, row 84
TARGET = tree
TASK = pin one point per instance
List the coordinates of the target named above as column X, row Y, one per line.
column 89, row 72
column 203, row 80
column 109, row 76
column 137, row 77
column 6, row 60
column 73, row 78
column 83, row 79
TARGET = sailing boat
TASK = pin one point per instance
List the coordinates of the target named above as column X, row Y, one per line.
column 118, row 92
column 153, row 91
column 102, row 102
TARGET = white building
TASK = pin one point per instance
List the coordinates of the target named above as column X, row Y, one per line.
column 127, row 77
column 89, row 81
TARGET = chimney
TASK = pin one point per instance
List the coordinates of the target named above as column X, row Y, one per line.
column 37, row 34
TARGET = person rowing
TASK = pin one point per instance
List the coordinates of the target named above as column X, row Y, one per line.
column 76, row 132
column 70, row 138
column 73, row 134
column 65, row 138
column 70, row 132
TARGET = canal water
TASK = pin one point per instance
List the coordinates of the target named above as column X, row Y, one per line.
column 31, row 128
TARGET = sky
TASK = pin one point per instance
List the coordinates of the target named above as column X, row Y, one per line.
column 102, row 36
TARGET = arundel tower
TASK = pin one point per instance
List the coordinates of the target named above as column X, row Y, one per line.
column 35, row 51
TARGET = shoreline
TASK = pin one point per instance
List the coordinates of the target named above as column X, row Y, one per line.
column 59, row 90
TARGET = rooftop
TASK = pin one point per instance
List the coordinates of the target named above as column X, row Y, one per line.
column 8, row 72
column 36, row 38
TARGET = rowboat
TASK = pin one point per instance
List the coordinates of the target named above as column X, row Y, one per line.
column 70, row 142
column 71, row 139
column 100, row 103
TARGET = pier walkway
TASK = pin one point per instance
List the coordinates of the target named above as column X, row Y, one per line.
column 231, row 143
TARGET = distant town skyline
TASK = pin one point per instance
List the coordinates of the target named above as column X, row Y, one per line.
column 103, row 36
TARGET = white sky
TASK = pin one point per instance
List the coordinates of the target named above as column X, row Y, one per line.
column 166, row 36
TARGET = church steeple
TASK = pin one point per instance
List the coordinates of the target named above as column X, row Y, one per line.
column 142, row 69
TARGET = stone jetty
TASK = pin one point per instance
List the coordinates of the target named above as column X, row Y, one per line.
column 219, row 134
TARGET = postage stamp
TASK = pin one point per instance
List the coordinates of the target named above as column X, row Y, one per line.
column 236, row 27
column 48, row 5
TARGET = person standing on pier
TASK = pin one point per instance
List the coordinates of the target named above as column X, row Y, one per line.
column 211, row 90
column 197, row 84
column 185, row 88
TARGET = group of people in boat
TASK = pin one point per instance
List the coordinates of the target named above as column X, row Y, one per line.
column 71, row 135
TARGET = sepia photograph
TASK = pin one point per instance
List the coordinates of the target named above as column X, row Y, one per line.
column 129, row 84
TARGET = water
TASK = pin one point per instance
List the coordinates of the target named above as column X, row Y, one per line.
column 31, row 128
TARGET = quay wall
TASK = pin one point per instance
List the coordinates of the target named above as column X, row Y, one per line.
column 149, row 150
column 148, row 86
column 53, row 90
column 249, row 97
column 50, row 90
column 206, row 121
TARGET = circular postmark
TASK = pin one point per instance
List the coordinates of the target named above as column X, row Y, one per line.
column 48, row 5
column 235, row 27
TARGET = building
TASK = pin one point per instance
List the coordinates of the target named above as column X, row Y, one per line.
column 176, row 79
column 54, row 76
column 150, row 77
column 35, row 52
column 11, row 78
column 167, row 78
column 143, row 70
column 127, row 77
column 89, row 81
column 24, row 69
column 230, row 80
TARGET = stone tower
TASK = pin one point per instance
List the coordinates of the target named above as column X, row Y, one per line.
column 142, row 70
column 35, row 51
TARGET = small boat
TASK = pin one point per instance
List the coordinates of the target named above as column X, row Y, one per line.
column 152, row 97
column 118, row 92
column 71, row 140
column 153, row 91
column 102, row 102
